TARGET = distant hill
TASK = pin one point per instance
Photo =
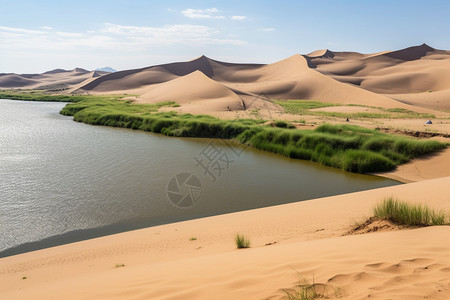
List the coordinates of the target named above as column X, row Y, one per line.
column 106, row 69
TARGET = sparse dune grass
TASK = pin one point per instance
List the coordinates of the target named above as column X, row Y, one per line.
column 310, row 290
column 406, row 214
column 347, row 147
column 41, row 96
column 307, row 107
column 241, row 241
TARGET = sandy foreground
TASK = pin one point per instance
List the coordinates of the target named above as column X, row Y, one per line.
column 304, row 238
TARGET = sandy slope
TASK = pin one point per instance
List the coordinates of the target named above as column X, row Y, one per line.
column 390, row 79
column 423, row 168
column 410, row 72
column 162, row 263
column 416, row 78
column 55, row 79
column 194, row 89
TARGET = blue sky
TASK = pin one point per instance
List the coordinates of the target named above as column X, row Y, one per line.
column 40, row 35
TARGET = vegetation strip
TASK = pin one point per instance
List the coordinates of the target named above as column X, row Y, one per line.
column 403, row 213
column 307, row 107
column 347, row 147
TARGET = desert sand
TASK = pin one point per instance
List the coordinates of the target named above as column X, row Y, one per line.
column 305, row 238
column 308, row 239
column 56, row 80
column 415, row 79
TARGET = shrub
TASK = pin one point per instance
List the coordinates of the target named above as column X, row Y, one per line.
column 241, row 241
column 408, row 214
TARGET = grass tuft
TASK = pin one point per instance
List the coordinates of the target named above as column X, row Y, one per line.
column 241, row 241
column 193, row 238
column 309, row 290
column 402, row 213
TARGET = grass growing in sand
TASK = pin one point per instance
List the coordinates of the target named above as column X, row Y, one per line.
column 402, row 213
column 39, row 96
column 346, row 147
column 309, row 290
column 307, row 107
column 241, row 241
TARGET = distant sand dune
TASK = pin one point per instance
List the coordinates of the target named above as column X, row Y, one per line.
column 389, row 79
column 193, row 87
column 57, row 78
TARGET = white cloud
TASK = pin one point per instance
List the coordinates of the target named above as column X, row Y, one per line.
column 164, row 32
column 112, row 36
column 268, row 29
column 239, row 18
column 209, row 13
column 20, row 30
column 69, row 34
column 30, row 50
column 46, row 27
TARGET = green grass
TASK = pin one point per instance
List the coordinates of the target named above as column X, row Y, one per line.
column 306, row 107
column 309, row 290
column 406, row 214
column 193, row 238
column 346, row 147
column 241, row 241
column 119, row 266
column 40, row 96
column 297, row 107
column 283, row 124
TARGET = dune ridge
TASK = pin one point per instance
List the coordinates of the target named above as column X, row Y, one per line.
column 391, row 79
column 57, row 78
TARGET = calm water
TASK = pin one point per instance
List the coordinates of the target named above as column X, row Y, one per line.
column 62, row 181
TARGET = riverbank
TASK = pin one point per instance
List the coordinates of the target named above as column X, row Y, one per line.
column 197, row 259
column 347, row 147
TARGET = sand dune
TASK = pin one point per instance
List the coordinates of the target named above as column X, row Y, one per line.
column 195, row 87
column 15, row 81
column 389, row 79
column 300, row 238
column 323, row 75
column 292, row 78
column 407, row 71
column 54, row 79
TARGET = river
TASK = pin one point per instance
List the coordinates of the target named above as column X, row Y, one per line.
column 63, row 181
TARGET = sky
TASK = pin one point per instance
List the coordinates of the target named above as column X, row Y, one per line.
column 41, row 35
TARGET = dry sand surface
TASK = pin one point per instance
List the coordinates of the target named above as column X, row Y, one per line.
column 58, row 80
column 306, row 238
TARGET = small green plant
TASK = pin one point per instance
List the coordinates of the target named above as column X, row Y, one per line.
column 193, row 238
column 119, row 265
column 24, row 277
column 241, row 241
column 407, row 214
column 309, row 290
